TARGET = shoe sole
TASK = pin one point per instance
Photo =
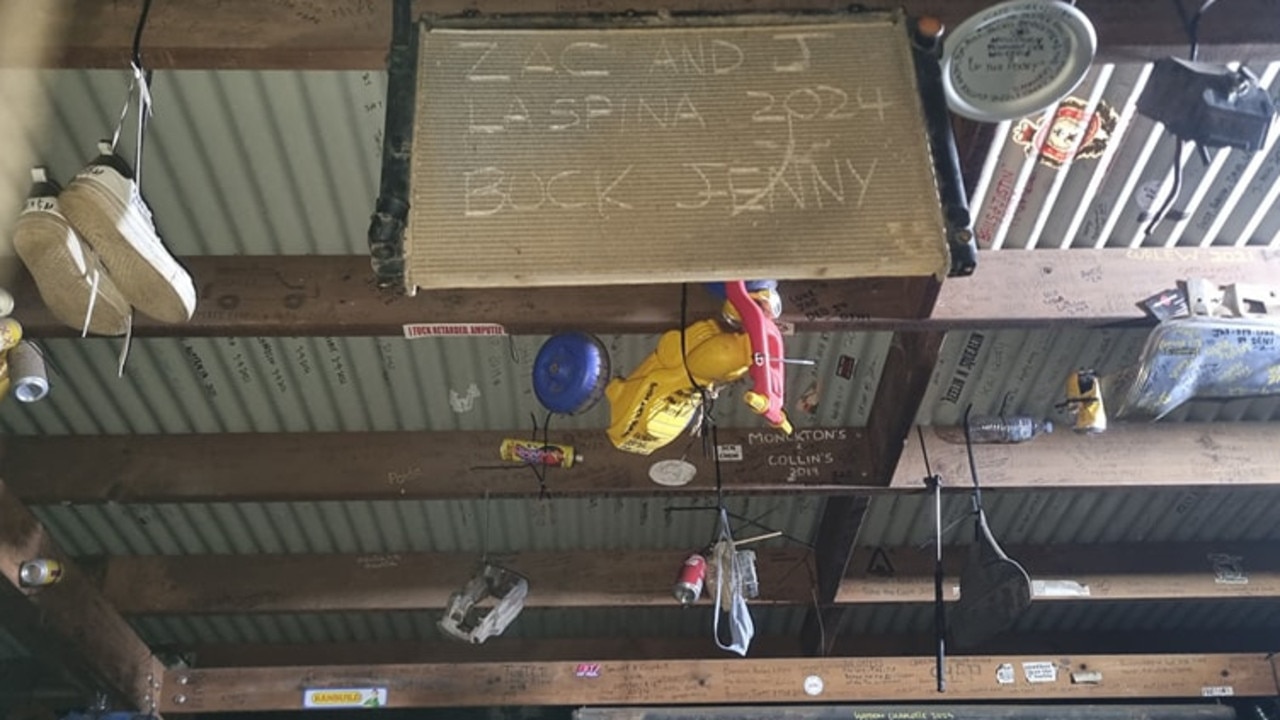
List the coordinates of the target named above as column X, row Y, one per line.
column 166, row 294
column 40, row 240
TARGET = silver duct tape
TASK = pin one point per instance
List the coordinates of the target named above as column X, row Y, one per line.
column 30, row 380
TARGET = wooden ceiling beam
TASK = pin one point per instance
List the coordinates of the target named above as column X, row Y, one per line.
column 500, row 649
column 1079, row 573
column 416, row 581
column 423, row 581
column 70, row 625
column 736, row 681
column 265, row 467
column 334, row 296
column 353, row 34
column 510, row 649
column 1127, row 455
column 317, row 467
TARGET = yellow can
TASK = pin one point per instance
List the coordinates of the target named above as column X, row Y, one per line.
column 10, row 334
column 532, row 452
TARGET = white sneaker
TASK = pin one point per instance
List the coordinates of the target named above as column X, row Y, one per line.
column 68, row 274
column 103, row 204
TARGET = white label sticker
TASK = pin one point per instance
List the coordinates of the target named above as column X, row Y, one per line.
column 1004, row 674
column 1086, row 677
column 1040, row 672
column 1058, row 588
column 421, row 330
column 1217, row 691
column 813, row 685
column 345, row 698
column 729, row 453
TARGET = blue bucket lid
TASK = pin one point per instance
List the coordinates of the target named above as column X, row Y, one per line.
column 569, row 372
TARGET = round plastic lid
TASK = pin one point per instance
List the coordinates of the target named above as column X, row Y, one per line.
column 569, row 372
column 1016, row 59
column 672, row 473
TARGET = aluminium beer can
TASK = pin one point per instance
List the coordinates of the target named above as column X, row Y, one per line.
column 693, row 574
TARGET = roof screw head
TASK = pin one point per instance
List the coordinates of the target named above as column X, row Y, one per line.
column 180, row 699
column 183, row 680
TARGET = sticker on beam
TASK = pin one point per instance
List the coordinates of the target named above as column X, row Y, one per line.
column 332, row 698
column 729, row 453
column 422, row 330
column 1217, row 691
column 1040, row 672
column 1004, row 674
column 1058, row 589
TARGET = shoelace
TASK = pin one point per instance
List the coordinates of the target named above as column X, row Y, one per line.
column 128, row 328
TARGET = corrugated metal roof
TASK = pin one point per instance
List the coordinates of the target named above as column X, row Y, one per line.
column 515, row 525
column 375, row 627
column 236, row 162
column 1049, row 617
column 1024, row 372
column 1072, row 516
column 1104, row 196
column 353, row 384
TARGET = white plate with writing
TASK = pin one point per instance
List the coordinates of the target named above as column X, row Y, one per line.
column 1016, row 58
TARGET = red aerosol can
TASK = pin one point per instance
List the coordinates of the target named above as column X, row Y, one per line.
column 693, row 574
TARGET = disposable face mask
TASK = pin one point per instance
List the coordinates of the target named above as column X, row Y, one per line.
column 729, row 572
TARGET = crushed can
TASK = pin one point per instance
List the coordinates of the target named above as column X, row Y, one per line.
column 693, row 574
column 40, row 572
column 532, row 452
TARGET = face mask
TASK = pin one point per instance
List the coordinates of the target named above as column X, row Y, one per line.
column 729, row 597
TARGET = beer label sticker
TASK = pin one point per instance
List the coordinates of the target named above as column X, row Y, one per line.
column 1004, row 674
column 330, row 698
column 587, row 670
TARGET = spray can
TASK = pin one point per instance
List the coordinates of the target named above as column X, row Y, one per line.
column 693, row 574
column 532, row 452
column 39, row 572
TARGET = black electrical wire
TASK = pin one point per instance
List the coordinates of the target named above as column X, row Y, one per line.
column 973, row 466
column 1192, row 26
column 1174, row 191
column 934, row 483
column 136, row 55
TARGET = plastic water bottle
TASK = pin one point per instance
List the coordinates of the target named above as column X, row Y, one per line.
column 998, row 429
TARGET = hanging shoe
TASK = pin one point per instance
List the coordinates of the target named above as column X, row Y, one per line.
column 72, row 281
column 104, row 205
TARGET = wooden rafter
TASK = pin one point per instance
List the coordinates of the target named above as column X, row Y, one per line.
column 678, row 682
column 414, row 581
column 266, row 467
column 423, row 581
column 70, row 625
column 502, row 649
column 258, row 467
column 1128, row 455
column 350, row 34
column 334, row 296
column 911, row 359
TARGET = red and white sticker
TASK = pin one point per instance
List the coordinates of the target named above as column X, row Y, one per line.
column 587, row 670
column 421, row 330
